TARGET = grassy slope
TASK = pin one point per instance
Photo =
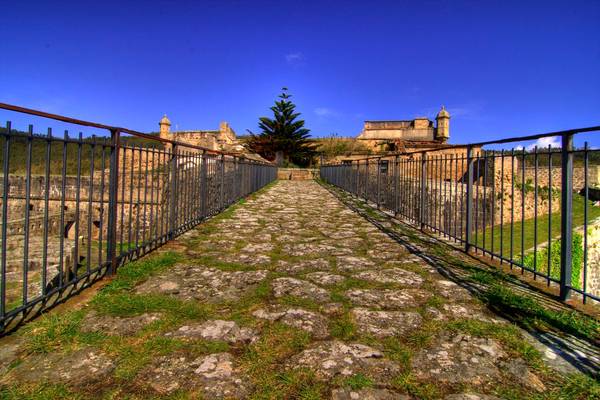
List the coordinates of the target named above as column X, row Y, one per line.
column 528, row 228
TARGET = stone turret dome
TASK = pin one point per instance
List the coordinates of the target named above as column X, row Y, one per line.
column 164, row 120
column 443, row 113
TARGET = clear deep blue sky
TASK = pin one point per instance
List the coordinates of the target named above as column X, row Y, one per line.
column 500, row 67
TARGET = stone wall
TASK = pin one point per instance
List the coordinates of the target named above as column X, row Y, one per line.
column 297, row 174
column 593, row 257
column 578, row 176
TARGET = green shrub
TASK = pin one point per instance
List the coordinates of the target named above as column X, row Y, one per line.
column 540, row 260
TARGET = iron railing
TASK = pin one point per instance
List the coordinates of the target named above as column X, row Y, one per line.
column 74, row 209
column 530, row 208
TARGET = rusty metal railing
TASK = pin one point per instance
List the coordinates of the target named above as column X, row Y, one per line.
column 519, row 206
column 74, row 209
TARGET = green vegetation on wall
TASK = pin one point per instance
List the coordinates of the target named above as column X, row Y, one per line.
column 539, row 259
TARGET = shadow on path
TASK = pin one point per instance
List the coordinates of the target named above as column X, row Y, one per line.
column 556, row 345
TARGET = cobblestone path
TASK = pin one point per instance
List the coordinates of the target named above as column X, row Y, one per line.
column 288, row 295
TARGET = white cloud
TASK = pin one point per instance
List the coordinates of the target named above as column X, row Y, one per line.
column 295, row 58
column 553, row 141
column 324, row 112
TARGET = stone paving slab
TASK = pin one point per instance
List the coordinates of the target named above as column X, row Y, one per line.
column 291, row 295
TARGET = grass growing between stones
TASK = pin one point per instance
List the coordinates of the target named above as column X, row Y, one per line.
column 263, row 362
column 54, row 332
column 506, row 334
column 357, row 382
column 45, row 391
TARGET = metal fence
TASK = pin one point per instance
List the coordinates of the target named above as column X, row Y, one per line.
column 75, row 208
column 529, row 207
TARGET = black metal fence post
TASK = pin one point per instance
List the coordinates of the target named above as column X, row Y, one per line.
column 203, row 188
column 566, row 216
column 423, row 190
column 395, row 198
column 469, row 194
column 378, row 182
column 173, row 198
column 113, row 183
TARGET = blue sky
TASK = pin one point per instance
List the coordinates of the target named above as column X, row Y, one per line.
column 501, row 68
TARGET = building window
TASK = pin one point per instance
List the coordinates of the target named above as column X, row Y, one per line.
column 383, row 166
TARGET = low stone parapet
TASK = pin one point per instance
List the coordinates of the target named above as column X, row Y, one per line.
column 297, row 174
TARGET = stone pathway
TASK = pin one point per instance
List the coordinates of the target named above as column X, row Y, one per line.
column 289, row 295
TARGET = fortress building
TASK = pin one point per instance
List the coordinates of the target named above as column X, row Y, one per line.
column 417, row 133
column 223, row 139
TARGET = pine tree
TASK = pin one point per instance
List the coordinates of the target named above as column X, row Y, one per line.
column 284, row 134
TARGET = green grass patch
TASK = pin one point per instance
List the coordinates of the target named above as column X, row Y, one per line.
column 508, row 335
column 294, row 301
column 58, row 332
column 528, row 228
column 407, row 383
column 262, row 361
column 44, row 391
column 529, row 312
column 358, row 381
column 342, row 327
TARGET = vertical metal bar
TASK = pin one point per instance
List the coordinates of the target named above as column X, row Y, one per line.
column 62, row 212
column 77, row 206
column 512, row 205
column 535, row 210
column 46, row 211
column 523, row 213
column 146, row 227
column 585, row 218
column 378, row 181
column 456, row 178
column 138, row 208
column 477, row 202
column 113, row 191
column 5, row 190
column 101, row 218
column 396, row 186
column 27, row 214
column 151, row 233
column 203, row 183
column 163, row 192
column 502, row 207
column 367, row 181
column 462, row 196
column 90, row 210
column 550, row 193
column 222, row 185
column 493, row 205
column 485, row 199
column 123, row 186
column 566, row 217
column 173, row 172
column 357, row 179
column 423, row 190
column 469, row 216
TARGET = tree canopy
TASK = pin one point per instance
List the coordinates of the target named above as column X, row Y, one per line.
column 284, row 135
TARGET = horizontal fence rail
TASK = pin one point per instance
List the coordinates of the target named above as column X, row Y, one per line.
column 74, row 209
column 535, row 209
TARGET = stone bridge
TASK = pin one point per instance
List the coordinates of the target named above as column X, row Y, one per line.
column 301, row 292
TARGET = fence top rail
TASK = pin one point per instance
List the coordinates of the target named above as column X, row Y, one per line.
column 485, row 143
column 70, row 120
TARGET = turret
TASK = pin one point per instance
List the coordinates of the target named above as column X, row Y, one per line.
column 165, row 127
column 443, row 126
